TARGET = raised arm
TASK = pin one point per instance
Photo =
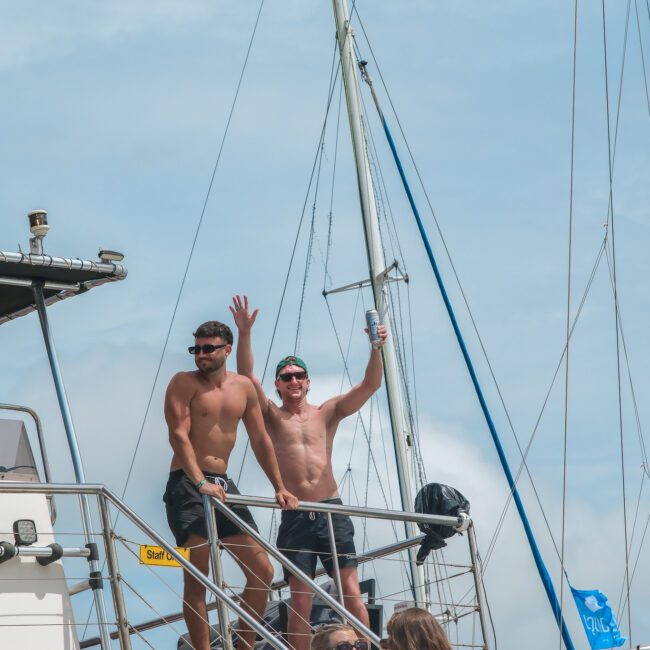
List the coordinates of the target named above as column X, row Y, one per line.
column 358, row 395
column 244, row 321
column 177, row 414
column 263, row 447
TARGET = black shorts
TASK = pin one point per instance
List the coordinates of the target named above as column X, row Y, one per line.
column 184, row 505
column 303, row 537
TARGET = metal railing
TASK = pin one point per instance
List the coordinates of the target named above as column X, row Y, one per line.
column 461, row 523
column 224, row 601
column 41, row 445
column 104, row 495
column 173, row 617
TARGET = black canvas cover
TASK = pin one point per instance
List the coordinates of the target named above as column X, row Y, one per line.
column 438, row 499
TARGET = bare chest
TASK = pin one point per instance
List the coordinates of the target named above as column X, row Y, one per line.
column 306, row 431
column 223, row 406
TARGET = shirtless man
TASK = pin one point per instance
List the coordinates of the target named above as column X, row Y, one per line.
column 203, row 409
column 303, row 435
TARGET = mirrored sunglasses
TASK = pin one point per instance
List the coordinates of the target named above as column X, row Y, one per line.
column 206, row 348
column 286, row 377
column 360, row 644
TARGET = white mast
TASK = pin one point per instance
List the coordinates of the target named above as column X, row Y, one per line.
column 377, row 264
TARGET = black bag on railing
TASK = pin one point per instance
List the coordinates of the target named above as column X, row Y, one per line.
column 438, row 499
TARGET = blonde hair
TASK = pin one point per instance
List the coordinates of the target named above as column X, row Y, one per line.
column 320, row 640
column 416, row 629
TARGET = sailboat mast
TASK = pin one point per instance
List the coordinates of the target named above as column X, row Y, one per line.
column 377, row 265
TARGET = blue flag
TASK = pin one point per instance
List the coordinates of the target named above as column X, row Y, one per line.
column 598, row 619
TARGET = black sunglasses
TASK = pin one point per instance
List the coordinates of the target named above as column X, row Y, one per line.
column 288, row 376
column 206, row 348
column 357, row 645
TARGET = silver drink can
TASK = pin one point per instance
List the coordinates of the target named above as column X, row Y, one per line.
column 372, row 320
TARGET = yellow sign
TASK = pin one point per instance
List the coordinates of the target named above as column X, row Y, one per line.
column 154, row 555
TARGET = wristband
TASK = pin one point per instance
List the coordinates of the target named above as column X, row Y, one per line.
column 201, row 483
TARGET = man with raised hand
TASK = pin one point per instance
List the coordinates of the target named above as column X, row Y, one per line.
column 303, row 435
column 203, row 409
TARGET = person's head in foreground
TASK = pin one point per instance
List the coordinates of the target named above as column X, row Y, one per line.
column 416, row 629
column 337, row 637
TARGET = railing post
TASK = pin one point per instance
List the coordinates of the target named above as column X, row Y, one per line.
column 114, row 573
column 478, row 582
column 335, row 560
column 217, row 571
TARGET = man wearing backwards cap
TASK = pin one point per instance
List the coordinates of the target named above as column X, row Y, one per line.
column 303, row 435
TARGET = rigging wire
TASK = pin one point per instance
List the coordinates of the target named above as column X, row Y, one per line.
column 421, row 469
column 524, row 465
column 568, row 316
column 616, row 320
column 439, row 231
column 371, row 456
column 444, row 244
column 333, row 76
column 309, row 249
column 627, row 581
column 194, row 241
column 397, row 312
column 636, row 514
column 330, row 215
column 345, row 356
column 409, row 385
column 620, row 85
column 642, row 446
column 187, row 265
column 398, row 332
column 645, row 77
column 602, row 251
column 363, row 427
column 524, row 455
column 638, row 557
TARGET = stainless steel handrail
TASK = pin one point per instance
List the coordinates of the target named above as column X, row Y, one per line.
column 459, row 523
column 151, row 624
column 192, row 570
column 240, row 499
column 52, row 488
column 41, row 444
column 86, row 488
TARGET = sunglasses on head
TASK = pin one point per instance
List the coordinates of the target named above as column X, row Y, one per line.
column 360, row 644
column 286, row 377
column 206, row 348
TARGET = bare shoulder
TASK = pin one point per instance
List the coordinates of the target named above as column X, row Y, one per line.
column 240, row 381
column 180, row 392
column 329, row 406
column 183, row 382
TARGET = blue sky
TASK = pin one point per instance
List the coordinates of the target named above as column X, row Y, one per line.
column 112, row 115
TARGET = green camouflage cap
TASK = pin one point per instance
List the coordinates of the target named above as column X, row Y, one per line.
column 290, row 361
